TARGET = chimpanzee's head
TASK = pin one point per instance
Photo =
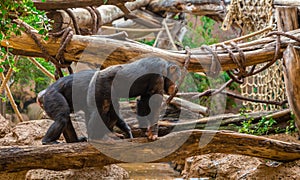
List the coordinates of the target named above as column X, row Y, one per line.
column 173, row 75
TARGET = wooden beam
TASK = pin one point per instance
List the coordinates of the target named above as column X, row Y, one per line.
column 79, row 155
column 65, row 4
column 188, row 105
column 291, row 68
column 105, row 51
column 211, row 8
column 286, row 3
column 287, row 18
column 84, row 18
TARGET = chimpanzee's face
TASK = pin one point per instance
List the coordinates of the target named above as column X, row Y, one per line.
column 170, row 81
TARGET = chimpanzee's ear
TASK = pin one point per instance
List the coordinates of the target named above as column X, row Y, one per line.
column 172, row 68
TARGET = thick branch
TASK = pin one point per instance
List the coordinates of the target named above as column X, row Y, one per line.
column 98, row 50
column 219, row 121
column 79, row 155
column 84, row 18
column 287, row 3
column 189, row 105
column 211, row 8
column 65, row 4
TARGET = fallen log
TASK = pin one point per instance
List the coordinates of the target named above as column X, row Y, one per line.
column 79, row 155
column 210, row 8
column 221, row 122
column 286, row 3
column 84, row 19
column 189, row 105
column 107, row 52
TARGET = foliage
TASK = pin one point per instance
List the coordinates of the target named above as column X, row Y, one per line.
column 291, row 125
column 201, row 34
column 263, row 126
column 25, row 67
column 24, row 10
column 148, row 42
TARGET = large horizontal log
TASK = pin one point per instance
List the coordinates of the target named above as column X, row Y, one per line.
column 79, row 155
column 84, row 18
column 65, row 4
column 107, row 52
column 211, row 8
column 286, row 3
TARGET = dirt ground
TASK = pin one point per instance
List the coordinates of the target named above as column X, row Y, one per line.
column 211, row 166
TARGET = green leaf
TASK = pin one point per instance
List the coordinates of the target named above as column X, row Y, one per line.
column 42, row 31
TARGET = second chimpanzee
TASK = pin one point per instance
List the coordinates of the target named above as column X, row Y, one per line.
column 97, row 93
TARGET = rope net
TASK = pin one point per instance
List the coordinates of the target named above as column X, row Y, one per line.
column 250, row 16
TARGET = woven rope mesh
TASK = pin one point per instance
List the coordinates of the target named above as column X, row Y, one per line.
column 251, row 16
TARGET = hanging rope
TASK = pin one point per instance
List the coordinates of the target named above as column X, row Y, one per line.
column 73, row 18
column 183, row 73
column 240, row 73
column 58, row 60
column 96, row 18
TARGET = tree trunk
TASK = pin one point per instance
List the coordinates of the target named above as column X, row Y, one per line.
column 286, row 3
column 291, row 78
column 65, row 4
column 79, row 155
column 210, row 8
column 107, row 52
column 84, row 18
column 287, row 18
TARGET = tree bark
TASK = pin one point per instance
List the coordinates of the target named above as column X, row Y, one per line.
column 79, row 155
column 286, row 3
column 221, row 122
column 291, row 78
column 210, row 8
column 287, row 18
column 65, row 4
column 107, row 52
column 189, row 105
column 84, row 18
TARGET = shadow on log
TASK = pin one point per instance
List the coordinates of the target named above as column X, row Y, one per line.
column 79, row 155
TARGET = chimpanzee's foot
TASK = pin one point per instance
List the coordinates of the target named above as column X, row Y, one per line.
column 49, row 143
column 82, row 139
column 151, row 135
column 152, row 132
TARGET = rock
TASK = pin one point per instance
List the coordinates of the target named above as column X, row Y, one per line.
column 26, row 133
column 4, row 126
column 230, row 166
column 34, row 111
column 107, row 172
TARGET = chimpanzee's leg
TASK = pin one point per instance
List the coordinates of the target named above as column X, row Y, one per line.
column 143, row 110
column 96, row 127
column 153, row 104
column 58, row 109
column 148, row 112
column 120, row 123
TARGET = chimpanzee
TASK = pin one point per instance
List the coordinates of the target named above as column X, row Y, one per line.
column 98, row 93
